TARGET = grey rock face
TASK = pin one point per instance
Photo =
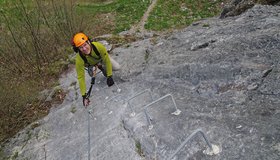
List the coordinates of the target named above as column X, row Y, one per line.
column 224, row 78
column 237, row 7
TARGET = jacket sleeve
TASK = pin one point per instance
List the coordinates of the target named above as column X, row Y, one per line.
column 105, row 58
column 81, row 74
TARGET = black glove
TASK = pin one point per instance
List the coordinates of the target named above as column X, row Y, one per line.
column 85, row 100
column 110, row 81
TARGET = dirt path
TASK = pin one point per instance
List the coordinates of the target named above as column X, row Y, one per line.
column 141, row 25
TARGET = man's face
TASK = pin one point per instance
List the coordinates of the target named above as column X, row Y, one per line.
column 85, row 48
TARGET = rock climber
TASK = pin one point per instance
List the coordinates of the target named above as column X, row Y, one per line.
column 91, row 55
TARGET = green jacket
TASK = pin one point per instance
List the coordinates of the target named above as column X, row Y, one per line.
column 92, row 59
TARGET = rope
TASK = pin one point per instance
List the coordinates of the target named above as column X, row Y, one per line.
column 94, row 72
column 89, row 112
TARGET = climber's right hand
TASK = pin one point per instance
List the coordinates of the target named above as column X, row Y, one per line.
column 85, row 101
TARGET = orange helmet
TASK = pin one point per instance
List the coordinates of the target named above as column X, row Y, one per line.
column 79, row 39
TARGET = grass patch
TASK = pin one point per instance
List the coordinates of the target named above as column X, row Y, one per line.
column 15, row 156
column 139, row 149
column 116, row 17
column 206, row 25
column 73, row 109
column 176, row 14
column 146, row 57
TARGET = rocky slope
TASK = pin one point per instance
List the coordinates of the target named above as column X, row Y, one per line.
column 223, row 75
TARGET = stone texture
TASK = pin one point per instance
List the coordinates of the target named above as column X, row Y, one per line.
column 224, row 79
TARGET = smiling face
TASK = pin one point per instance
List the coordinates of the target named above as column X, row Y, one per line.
column 85, row 48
